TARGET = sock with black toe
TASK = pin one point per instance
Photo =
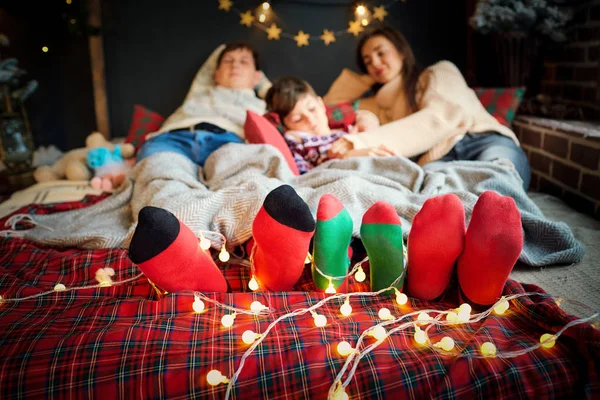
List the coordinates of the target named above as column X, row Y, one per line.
column 168, row 253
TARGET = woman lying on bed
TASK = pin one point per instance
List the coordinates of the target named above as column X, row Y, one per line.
column 429, row 113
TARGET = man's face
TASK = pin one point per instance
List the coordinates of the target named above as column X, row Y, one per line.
column 237, row 70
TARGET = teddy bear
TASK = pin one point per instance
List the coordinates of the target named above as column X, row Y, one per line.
column 73, row 165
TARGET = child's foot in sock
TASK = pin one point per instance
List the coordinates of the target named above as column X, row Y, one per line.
column 493, row 244
column 435, row 241
column 381, row 233
column 332, row 238
column 282, row 231
column 168, row 253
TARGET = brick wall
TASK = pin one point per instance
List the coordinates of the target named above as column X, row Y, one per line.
column 572, row 70
column 565, row 160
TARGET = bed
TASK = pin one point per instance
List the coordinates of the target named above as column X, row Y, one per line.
column 128, row 340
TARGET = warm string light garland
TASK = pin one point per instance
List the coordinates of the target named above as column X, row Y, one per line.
column 263, row 14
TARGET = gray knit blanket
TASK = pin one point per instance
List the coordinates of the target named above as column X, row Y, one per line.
column 227, row 193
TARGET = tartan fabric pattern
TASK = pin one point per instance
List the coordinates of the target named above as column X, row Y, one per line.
column 143, row 122
column 125, row 342
column 502, row 103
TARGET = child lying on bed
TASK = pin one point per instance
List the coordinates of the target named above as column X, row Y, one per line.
column 304, row 116
column 214, row 109
column 483, row 255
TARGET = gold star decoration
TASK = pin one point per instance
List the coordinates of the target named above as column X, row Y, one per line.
column 379, row 13
column 301, row 38
column 225, row 5
column 273, row 32
column 327, row 37
column 247, row 18
column 355, row 28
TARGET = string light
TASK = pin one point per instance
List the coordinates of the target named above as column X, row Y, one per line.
column 360, row 10
column 360, row 275
column 420, row 336
column 204, row 242
column 253, row 284
column 446, row 344
column 249, row 336
column 452, row 317
column 308, row 259
column 330, row 289
column 547, row 340
column 346, row 308
column 214, row 378
column 488, row 349
column 423, row 318
column 45, row 49
column 198, row 304
column 378, row 332
column 464, row 312
column 385, row 314
column 340, row 394
column 344, row 348
column 59, row 287
column 227, row 320
column 223, row 255
column 257, row 306
column 319, row 319
column 401, row 298
column 501, row 306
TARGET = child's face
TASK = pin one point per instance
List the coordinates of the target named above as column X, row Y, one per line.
column 237, row 70
column 308, row 116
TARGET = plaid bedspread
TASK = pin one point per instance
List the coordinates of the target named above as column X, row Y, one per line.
column 125, row 342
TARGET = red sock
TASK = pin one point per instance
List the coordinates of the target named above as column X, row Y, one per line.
column 435, row 241
column 282, row 231
column 493, row 244
column 168, row 253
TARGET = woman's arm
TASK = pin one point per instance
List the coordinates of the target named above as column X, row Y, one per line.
column 348, row 86
column 441, row 115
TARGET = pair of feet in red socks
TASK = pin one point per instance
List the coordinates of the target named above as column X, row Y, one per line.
column 168, row 253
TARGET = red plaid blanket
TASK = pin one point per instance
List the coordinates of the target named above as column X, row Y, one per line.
column 125, row 342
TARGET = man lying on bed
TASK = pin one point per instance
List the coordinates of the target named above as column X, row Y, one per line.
column 214, row 109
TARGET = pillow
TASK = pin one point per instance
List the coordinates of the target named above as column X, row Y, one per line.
column 259, row 130
column 144, row 121
column 340, row 116
column 502, row 103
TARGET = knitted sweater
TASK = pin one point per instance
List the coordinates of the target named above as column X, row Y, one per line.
column 447, row 110
column 218, row 105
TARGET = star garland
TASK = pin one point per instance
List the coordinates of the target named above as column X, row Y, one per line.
column 363, row 17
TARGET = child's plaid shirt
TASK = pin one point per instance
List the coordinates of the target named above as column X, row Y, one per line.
column 310, row 150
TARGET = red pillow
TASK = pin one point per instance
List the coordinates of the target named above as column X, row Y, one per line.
column 259, row 130
column 502, row 103
column 143, row 122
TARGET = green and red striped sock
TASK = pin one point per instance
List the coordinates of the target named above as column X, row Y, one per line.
column 331, row 241
column 436, row 239
column 381, row 233
column 282, row 231
column 493, row 244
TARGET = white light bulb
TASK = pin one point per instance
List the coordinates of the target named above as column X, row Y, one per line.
column 262, row 17
column 420, row 335
column 227, row 320
column 464, row 313
column 307, row 259
column 344, row 348
column 340, row 394
column 452, row 316
column 253, row 284
column 59, row 287
column 360, row 10
column 548, row 340
column 223, row 255
column 346, row 308
column 501, row 307
column 257, row 306
column 248, row 337
column 360, row 275
column 447, row 343
column 401, row 298
column 465, row 307
column 365, row 22
column 320, row 320
column 198, row 305
column 330, row 289
column 215, row 378
column 384, row 313
column 378, row 332
column 488, row 349
column 204, row 243
column 423, row 317
column 266, row 5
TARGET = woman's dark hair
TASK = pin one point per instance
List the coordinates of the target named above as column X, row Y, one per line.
column 410, row 69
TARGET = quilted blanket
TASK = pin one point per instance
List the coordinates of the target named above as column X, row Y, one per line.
column 227, row 194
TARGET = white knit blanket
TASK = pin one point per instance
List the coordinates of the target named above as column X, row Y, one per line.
column 227, row 194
